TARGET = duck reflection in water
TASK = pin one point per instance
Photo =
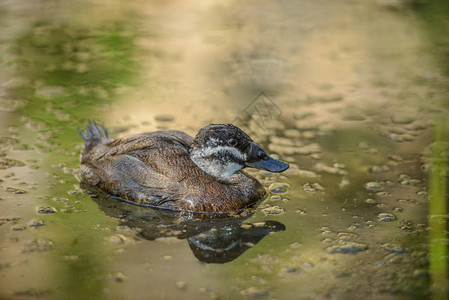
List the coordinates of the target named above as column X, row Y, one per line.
column 212, row 240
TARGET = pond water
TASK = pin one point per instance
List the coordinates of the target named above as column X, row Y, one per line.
column 354, row 95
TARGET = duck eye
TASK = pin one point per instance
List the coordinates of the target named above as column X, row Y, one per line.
column 232, row 142
column 262, row 155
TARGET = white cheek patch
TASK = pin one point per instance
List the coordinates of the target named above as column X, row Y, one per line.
column 216, row 167
column 205, row 152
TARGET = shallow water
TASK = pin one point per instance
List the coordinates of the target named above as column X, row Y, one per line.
column 353, row 95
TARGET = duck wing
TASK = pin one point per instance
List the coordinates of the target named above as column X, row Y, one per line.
column 152, row 140
column 141, row 168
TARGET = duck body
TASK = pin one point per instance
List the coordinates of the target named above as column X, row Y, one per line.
column 171, row 170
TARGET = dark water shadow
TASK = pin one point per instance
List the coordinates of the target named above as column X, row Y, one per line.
column 211, row 239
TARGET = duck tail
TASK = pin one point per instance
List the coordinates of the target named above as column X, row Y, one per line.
column 94, row 134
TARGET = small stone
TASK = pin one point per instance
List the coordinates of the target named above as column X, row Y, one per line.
column 393, row 248
column 50, row 91
column 346, row 236
column 16, row 191
column 378, row 169
column 119, row 277
column 288, row 269
column 300, row 211
column 32, row 292
column 309, row 149
column 317, row 186
column 398, row 209
column 117, row 239
column 246, row 226
column 352, row 227
column 347, row 248
column 327, row 241
column 255, row 292
column 422, row 194
column 11, row 105
column 292, row 133
column 411, row 182
column 402, row 119
column 46, row 210
column 386, row 217
column 37, row 245
column 331, row 170
column 19, row 228
column 374, row 186
column 308, row 188
column 273, row 210
column 382, row 194
column 164, row 118
column 181, row 284
column 295, row 245
column 71, row 257
column 279, row 187
column 275, row 198
column 36, row 223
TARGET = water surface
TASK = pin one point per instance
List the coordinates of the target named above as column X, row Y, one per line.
column 353, row 95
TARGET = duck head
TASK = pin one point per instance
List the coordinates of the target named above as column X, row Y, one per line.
column 221, row 150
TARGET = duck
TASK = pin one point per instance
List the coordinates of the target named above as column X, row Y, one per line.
column 171, row 170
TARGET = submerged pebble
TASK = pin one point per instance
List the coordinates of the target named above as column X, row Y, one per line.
column 378, row 169
column 394, row 248
column 346, row 236
column 309, row 149
column 32, row 292
column 382, row 194
column 50, row 91
column 398, row 209
column 307, row 173
column 181, row 284
column 317, row 186
column 408, row 201
column 292, row 133
column 256, row 292
column 308, row 188
column 402, row 118
column 374, row 186
column 273, row 210
column 37, row 245
column 411, row 182
column 46, row 210
column 275, row 198
column 11, row 105
column 119, row 239
column 6, row 163
column 386, row 217
column 16, row 191
column 279, row 187
column 300, row 211
column 347, row 248
column 164, row 118
column 118, row 277
column 336, row 169
column 422, row 194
